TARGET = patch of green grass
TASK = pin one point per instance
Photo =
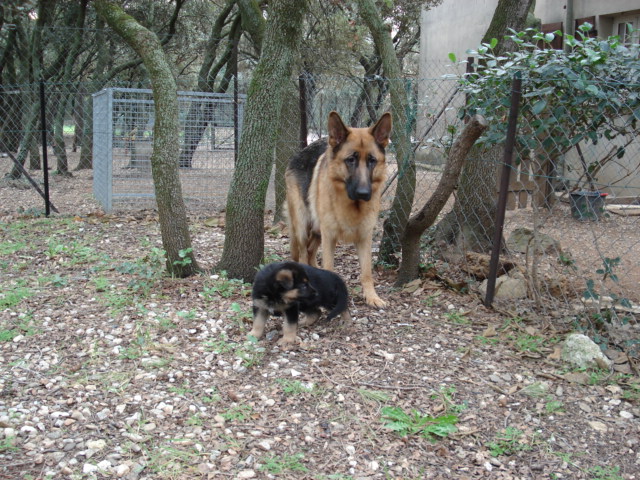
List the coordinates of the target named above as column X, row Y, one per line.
column 374, row 395
column 187, row 314
column 529, row 343
column 278, row 464
column 182, row 390
column 211, row 396
column 240, row 315
column 296, row 387
column 8, row 334
column 55, row 280
column 508, row 442
column 604, row 473
column 553, row 406
column 12, row 295
column 10, row 247
column 195, row 420
column 238, row 413
column 335, row 476
column 101, row 284
column 221, row 285
column 446, row 396
column 8, row 444
column 165, row 323
column 250, row 353
column 169, row 461
column 220, row 345
column 457, row 318
column 415, row 423
column 116, row 301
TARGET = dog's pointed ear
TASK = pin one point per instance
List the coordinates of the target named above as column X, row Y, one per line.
column 338, row 131
column 285, row 278
column 382, row 129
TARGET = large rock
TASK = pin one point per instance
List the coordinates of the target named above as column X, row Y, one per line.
column 507, row 287
column 581, row 351
column 523, row 238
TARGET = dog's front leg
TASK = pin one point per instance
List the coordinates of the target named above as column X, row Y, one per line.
column 363, row 248
column 289, row 326
column 260, row 317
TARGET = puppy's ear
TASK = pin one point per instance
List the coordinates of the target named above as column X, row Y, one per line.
column 382, row 129
column 338, row 131
column 285, row 278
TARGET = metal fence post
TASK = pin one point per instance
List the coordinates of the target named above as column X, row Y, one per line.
column 45, row 160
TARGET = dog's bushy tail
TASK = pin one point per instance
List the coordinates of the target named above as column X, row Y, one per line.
column 342, row 303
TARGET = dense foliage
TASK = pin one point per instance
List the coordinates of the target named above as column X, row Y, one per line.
column 585, row 94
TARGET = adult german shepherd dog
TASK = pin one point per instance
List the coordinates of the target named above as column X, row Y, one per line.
column 333, row 194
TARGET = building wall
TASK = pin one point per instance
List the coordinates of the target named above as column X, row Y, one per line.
column 456, row 26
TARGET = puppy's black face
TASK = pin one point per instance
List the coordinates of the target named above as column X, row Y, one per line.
column 279, row 286
column 293, row 285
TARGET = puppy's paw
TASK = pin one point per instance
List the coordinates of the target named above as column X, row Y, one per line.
column 289, row 343
column 255, row 334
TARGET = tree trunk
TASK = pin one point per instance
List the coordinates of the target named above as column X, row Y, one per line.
column 174, row 228
column 405, row 191
column 286, row 147
column 471, row 222
column 409, row 267
column 244, row 239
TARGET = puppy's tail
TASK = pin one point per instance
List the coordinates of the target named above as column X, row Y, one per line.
column 342, row 303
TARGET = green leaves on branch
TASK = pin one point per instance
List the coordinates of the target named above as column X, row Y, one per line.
column 591, row 91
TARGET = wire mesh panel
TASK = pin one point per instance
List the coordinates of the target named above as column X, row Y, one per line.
column 123, row 144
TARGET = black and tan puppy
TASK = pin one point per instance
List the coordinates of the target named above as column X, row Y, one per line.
column 291, row 288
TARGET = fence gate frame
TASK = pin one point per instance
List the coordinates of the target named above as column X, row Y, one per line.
column 110, row 140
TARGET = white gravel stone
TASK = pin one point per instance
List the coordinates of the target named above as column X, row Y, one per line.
column 246, row 474
column 122, row 470
column 96, row 444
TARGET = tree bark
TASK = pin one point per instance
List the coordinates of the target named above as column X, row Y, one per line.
column 172, row 214
column 401, row 136
column 286, row 147
column 244, row 239
column 471, row 222
column 417, row 224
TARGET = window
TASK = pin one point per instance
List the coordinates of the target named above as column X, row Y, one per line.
column 621, row 28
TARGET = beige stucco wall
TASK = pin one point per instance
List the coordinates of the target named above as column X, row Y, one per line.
column 456, row 26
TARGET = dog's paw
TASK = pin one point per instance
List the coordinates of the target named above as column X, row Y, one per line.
column 255, row 334
column 289, row 343
column 375, row 301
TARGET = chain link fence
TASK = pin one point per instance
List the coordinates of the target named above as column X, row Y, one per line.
column 571, row 231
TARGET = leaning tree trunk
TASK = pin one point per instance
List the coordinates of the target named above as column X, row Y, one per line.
column 405, row 190
column 244, row 239
column 409, row 267
column 471, row 222
column 172, row 213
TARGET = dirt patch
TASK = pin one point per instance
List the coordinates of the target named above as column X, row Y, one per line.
column 110, row 369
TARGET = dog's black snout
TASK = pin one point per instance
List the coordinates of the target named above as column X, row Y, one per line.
column 363, row 194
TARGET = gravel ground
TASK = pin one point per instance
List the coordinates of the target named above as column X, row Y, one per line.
column 109, row 369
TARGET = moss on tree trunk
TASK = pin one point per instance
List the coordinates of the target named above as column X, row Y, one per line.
column 244, row 239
